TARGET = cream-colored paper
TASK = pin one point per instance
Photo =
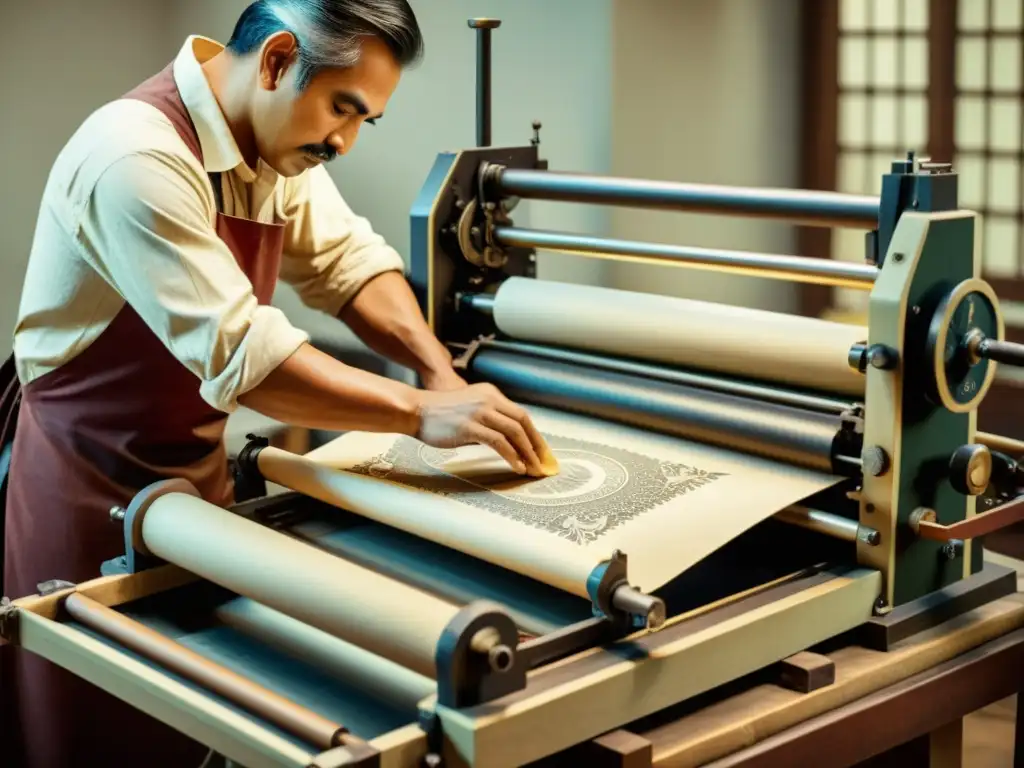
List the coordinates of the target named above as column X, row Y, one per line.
column 664, row 502
column 353, row 603
column 749, row 343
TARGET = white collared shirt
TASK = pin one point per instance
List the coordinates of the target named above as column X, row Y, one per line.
column 128, row 214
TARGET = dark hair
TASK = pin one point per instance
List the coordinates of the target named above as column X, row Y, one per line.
column 329, row 32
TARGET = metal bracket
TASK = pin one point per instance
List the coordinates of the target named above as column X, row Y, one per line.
column 614, row 598
column 249, row 483
column 477, row 658
column 464, row 360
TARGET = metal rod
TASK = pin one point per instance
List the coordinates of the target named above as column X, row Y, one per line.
column 822, row 209
column 712, row 383
column 299, row 721
column 478, row 302
column 1008, row 445
column 837, row 526
column 780, row 267
column 634, row 602
column 483, row 78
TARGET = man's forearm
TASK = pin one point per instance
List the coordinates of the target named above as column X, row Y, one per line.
column 313, row 390
column 386, row 317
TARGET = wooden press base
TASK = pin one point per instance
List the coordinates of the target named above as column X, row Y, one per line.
column 917, row 692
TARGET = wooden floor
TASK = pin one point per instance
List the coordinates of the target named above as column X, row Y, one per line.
column 988, row 734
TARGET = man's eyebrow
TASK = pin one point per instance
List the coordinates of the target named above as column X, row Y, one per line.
column 347, row 97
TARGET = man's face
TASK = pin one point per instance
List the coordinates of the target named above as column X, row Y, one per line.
column 296, row 130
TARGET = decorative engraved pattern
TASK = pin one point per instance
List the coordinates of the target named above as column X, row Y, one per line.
column 598, row 488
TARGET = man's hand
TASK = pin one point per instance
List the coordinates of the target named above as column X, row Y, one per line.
column 444, row 379
column 481, row 414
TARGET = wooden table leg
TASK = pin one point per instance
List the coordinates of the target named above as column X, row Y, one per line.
column 946, row 745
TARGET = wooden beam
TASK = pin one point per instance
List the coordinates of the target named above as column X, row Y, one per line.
column 819, row 71
column 806, row 672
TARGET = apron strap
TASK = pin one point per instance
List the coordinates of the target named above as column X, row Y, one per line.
column 10, row 403
column 10, row 400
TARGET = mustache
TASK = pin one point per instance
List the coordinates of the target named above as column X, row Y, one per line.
column 323, row 151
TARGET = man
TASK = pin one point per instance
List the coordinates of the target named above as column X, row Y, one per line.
column 145, row 317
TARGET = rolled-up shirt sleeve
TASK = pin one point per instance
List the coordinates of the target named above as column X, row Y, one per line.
column 148, row 230
column 330, row 252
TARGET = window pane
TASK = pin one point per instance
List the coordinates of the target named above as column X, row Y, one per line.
column 883, row 15
column 973, row 14
column 970, row 181
column 853, row 63
column 848, row 245
column 970, row 62
column 1003, row 178
column 1006, row 14
column 853, row 120
column 883, row 119
column 915, row 124
column 1006, row 64
column 884, row 64
column 1005, row 127
column 915, row 62
column 999, row 247
column 853, row 14
column 851, row 173
column 915, row 14
column 881, row 164
column 970, row 122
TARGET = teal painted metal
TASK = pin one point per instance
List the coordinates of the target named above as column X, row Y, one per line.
column 930, row 433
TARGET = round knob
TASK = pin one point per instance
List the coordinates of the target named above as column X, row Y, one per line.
column 970, row 469
column 875, row 460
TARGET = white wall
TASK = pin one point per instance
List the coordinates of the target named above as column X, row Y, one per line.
column 706, row 92
column 695, row 90
column 434, row 109
column 60, row 61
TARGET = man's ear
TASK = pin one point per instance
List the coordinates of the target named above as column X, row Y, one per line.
column 278, row 53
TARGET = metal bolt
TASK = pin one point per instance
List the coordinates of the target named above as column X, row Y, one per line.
column 869, row 536
column 881, row 607
column 117, row 514
column 921, row 515
column 875, row 461
column 951, row 550
column 897, row 257
column 915, row 309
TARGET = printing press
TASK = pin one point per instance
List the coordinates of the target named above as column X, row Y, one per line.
column 295, row 629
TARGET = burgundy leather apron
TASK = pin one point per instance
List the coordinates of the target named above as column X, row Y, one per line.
column 122, row 414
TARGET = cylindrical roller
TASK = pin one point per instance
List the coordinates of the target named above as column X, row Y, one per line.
column 741, row 388
column 749, row 343
column 297, row 720
column 830, row 524
column 1008, row 445
column 355, row 604
column 384, row 680
column 775, row 431
column 822, row 209
column 842, row 274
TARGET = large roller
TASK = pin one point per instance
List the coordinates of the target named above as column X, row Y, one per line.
column 782, row 432
column 322, row 590
column 384, row 680
column 800, row 352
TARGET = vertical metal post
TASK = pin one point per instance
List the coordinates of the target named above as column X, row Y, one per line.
column 483, row 78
